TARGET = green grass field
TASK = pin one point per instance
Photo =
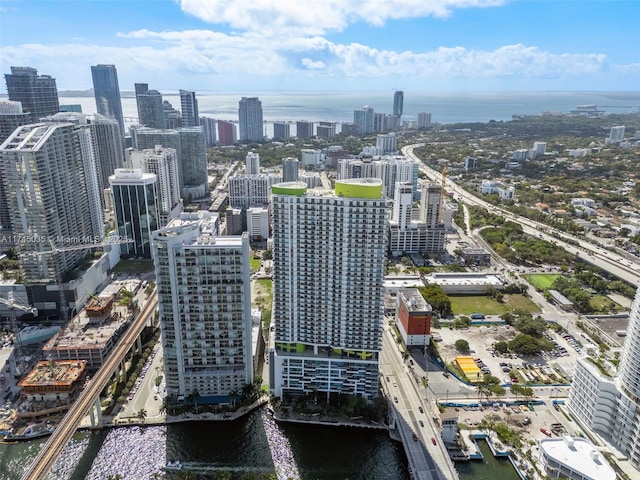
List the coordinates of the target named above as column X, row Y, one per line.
column 541, row 281
column 604, row 304
column 254, row 263
column 130, row 267
column 466, row 305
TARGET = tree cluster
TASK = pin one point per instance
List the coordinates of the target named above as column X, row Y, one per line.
column 435, row 296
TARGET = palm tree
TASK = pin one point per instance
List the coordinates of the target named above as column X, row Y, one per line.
column 508, row 414
column 165, row 406
column 247, row 391
column 193, row 398
column 142, row 415
column 233, row 396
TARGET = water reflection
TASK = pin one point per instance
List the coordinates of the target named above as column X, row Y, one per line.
column 254, row 444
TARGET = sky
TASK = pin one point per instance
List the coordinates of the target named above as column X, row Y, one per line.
column 329, row 45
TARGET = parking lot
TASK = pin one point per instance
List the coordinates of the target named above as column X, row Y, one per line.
column 549, row 368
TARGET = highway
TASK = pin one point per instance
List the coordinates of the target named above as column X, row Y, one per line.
column 427, row 461
column 625, row 269
column 42, row 464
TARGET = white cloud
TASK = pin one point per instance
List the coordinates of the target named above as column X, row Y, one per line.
column 315, row 17
column 204, row 58
column 311, row 65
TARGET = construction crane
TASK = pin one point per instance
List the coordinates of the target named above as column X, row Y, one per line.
column 14, row 305
column 62, row 249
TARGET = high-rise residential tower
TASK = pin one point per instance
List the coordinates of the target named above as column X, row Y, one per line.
column 610, row 406
column 250, row 119
column 363, row 119
column 107, row 92
column 209, row 126
column 226, row 133
column 281, row 131
column 191, row 151
column 189, row 108
column 11, row 117
column 204, row 299
column 108, row 142
column 616, row 134
column 252, row 162
column 326, row 130
column 424, row 120
column 49, row 171
column 193, row 156
column 162, row 162
column 329, row 254
column 38, row 93
column 398, row 103
column 150, row 108
column 290, row 168
column 430, row 213
column 304, row 129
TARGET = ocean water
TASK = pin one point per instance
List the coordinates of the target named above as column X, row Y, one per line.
column 445, row 107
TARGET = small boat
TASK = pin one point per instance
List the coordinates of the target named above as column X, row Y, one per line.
column 173, row 466
column 31, row 432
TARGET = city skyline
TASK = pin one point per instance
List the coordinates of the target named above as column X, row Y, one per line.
column 481, row 45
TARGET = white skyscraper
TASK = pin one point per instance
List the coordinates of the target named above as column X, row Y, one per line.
column 251, row 190
column 163, row 163
column 424, row 234
column 252, row 162
column 329, row 254
column 402, row 204
column 204, row 299
column 424, row 120
column 390, row 169
column 610, row 406
column 616, row 134
column 363, row 118
column 387, row 142
column 108, row 142
column 51, row 188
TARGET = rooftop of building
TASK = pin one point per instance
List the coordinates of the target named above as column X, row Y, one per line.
column 54, row 373
column 462, row 278
column 413, row 300
column 187, row 221
column 91, row 328
column 396, row 282
column 474, row 251
column 131, row 175
column 579, row 455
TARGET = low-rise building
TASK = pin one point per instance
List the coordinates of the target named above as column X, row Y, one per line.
column 51, row 387
column 490, row 187
column 573, row 458
column 91, row 334
column 413, row 317
column 563, row 302
column 465, row 283
column 476, row 256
